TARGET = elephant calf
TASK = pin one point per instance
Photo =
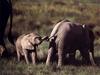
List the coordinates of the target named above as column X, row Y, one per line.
column 28, row 43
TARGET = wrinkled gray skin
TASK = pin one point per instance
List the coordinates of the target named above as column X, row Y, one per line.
column 67, row 37
column 28, row 43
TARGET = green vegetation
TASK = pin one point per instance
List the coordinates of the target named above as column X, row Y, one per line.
column 11, row 67
column 40, row 16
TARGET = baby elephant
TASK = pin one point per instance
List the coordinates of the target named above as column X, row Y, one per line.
column 28, row 43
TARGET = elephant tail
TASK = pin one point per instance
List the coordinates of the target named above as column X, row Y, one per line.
column 10, row 37
column 44, row 38
column 55, row 29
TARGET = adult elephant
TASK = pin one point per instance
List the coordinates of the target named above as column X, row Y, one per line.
column 5, row 13
column 67, row 37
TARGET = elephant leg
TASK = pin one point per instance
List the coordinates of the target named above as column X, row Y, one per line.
column 2, row 40
column 92, row 48
column 50, row 52
column 87, row 57
column 72, row 57
column 2, row 31
column 91, row 54
column 34, row 57
column 18, row 56
column 26, row 56
column 60, row 57
column 92, row 59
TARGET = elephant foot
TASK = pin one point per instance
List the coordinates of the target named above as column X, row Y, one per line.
column 59, row 65
column 33, row 63
column 47, row 63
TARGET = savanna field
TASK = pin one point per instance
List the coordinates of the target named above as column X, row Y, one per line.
column 40, row 16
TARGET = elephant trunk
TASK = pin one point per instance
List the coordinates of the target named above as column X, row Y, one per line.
column 40, row 40
column 10, row 38
column 44, row 38
column 91, row 59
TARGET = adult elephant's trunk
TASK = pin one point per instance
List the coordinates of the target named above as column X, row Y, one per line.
column 91, row 59
column 10, row 38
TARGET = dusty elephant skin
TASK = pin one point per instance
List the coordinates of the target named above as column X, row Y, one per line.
column 67, row 38
column 28, row 43
column 5, row 13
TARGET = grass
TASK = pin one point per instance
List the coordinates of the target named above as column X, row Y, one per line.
column 40, row 16
column 11, row 67
column 37, row 15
